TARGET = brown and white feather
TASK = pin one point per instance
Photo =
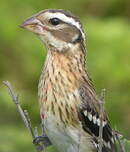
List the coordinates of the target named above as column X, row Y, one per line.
column 69, row 105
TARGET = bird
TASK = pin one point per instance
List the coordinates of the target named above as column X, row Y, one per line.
column 69, row 104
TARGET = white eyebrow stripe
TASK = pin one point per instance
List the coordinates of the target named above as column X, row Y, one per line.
column 66, row 19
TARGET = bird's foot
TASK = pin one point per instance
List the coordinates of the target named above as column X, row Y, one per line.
column 42, row 142
column 42, row 139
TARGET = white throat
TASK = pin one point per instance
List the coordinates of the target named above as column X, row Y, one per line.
column 59, row 45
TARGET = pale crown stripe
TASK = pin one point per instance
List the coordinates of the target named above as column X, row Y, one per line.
column 66, row 19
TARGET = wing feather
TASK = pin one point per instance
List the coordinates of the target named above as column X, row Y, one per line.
column 89, row 115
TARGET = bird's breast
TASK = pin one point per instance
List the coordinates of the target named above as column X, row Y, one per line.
column 59, row 100
column 58, row 89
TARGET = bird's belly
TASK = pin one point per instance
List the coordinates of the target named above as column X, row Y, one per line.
column 66, row 139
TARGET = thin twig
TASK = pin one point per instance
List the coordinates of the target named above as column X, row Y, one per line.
column 23, row 114
column 36, row 132
column 25, row 117
column 29, row 123
column 121, row 144
column 102, row 101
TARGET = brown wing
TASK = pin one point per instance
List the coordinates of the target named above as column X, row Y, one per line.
column 89, row 115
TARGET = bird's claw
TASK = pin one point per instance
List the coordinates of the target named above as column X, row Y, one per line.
column 42, row 140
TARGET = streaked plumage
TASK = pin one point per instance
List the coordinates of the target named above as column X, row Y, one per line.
column 69, row 105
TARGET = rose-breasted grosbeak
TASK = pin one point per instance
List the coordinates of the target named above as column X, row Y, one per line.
column 69, row 105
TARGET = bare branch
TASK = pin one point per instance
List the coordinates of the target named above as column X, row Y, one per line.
column 101, row 101
column 36, row 132
column 40, row 147
column 29, row 123
column 23, row 113
column 118, row 138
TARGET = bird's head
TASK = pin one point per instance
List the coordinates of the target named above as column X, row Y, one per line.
column 57, row 28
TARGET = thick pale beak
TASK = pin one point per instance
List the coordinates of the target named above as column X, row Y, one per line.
column 33, row 24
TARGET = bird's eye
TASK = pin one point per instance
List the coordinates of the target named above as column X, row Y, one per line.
column 55, row 21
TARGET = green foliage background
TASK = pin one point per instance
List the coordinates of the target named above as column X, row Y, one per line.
column 22, row 55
